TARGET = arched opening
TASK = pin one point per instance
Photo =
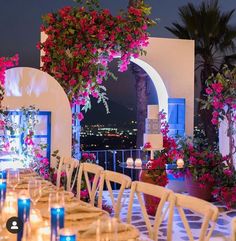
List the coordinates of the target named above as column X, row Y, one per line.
column 118, row 130
column 158, row 83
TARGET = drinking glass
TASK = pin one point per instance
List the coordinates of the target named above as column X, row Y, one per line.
column 9, row 210
column 56, row 199
column 13, row 178
column 27, row 233
column 35, row 190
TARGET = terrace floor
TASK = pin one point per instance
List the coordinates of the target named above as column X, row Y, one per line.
column 221, row 232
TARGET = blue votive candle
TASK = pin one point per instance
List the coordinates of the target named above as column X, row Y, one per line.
column 57, row 220
column 3, row 190
column 23, row 212
column 3, row 174
column 67, row 235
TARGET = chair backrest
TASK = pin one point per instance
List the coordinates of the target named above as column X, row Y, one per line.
column 233, row 229
column 208, row 211
column 166, row 197
column 89, row 168
column 68, row 165
column 108, row 177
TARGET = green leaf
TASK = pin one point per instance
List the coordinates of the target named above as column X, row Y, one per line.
column 70, row 30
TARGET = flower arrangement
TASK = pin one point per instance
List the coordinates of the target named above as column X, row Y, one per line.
column 200, row 165
column 207, row 168
column 42, row 167
column 225, row 190
column 221, row 96
column 169, row 154
column 81, row 41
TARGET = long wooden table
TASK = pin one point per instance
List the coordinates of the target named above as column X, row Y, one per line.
column 80, row 216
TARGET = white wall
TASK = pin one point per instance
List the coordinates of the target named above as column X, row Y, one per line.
column 173, row 62
column 173, row 59
column 28, row 86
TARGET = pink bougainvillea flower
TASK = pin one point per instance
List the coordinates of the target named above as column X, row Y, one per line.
column 228, row 173
column 147, row 145
column 80, row 116
column 209, row 91
column 217, row 87
column 84, row 194
column 214, row 121
column 72, row 82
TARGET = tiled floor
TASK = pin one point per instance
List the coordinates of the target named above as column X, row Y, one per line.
column 222, row 228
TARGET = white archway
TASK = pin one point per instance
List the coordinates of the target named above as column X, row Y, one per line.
column 28, row 86
column 174, row 61
column 158, row 83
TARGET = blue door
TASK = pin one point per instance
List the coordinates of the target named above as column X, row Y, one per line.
column 176, row 116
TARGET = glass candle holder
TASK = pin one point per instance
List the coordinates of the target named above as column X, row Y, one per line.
column 23, row 210
column 57, row 220
column 3, row 190
column 9, row 207
column 67, row 235
column 35, row 219
column 130, row 161
column 3, row 174
column 180, row 163
column 138, row 162
column 44, row 232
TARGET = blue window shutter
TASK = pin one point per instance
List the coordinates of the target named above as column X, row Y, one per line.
column 176, row 116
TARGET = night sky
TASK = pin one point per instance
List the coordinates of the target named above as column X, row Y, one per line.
column 20, row 22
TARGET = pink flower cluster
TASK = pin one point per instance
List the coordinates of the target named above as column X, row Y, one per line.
column 206, row 178
column 226, row 195
column 42, row 166
column 88, row 157
column 80, row 43
column 219, row 97
column 6, row 63
column 147, row 145
column 29, row 139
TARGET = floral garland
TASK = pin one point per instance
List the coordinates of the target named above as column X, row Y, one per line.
column 81, row 41
column 5, row 63
column 221, row 96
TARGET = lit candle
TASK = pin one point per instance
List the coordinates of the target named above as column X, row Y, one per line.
column 3, row 189
column 138, row 162
column 23, row 211
column 3, row 174
column 35, row 220
column 43, row 233
column 57, row 220
column 130, row 161
column 67, row 235
column 180, row 163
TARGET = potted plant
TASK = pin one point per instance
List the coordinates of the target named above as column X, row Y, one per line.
column 200, row 167
column 225, row 188
column 155, row 173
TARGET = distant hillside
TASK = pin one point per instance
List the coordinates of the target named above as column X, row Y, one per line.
column 118, row 114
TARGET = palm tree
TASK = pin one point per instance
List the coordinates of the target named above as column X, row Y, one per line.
column 141, row 87
column 214, row 41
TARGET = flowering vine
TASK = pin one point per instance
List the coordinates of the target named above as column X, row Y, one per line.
column 221, row 96
column 81, row 41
